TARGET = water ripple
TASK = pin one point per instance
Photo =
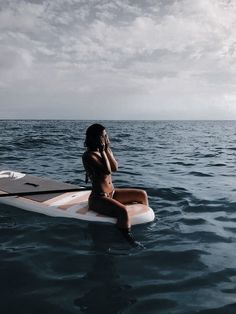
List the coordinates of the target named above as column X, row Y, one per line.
column 65, row 266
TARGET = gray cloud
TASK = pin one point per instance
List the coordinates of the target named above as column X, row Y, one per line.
column 82, row 59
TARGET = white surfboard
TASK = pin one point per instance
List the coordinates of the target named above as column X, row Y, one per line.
column 58, row 199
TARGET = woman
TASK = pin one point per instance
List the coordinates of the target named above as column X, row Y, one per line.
column 99, row 163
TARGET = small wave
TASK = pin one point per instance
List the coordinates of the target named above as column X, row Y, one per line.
column 200, row 155
column 6, row 149
column 33, row 142
column 230, row 229
column 226, row 309
column 216, row 165
column 193, row 282
column 225, row 219
column 151, row 305
column 181, row 163
column 200, row 174
column 208, row 237
column 170, row 194
column 209, row 155
column 188, row 258
column 192, row 221
column 7, row 222
column 205, row 279
column 123, row 135
column 229, row 207
column 202, row 208
column 129, row 173
column 117, row 140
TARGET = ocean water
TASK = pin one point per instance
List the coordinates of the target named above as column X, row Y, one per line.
column 57, row 265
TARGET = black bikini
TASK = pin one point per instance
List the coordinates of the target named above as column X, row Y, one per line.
column 102, row 194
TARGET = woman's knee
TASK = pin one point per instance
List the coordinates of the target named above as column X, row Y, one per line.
column 143, row 196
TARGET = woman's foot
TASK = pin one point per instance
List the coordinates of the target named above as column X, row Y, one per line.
column 126, row 232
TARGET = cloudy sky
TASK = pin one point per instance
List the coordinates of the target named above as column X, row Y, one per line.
column 118, row 59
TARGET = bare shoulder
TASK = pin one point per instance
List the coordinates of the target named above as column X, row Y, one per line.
column 90, row 155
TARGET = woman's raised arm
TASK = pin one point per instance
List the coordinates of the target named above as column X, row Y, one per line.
column 112, row 160
column 92, row 160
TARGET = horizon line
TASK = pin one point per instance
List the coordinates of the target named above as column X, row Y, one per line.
column 72, row 119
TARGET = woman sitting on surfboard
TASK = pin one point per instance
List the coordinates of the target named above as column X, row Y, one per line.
column 99, row 163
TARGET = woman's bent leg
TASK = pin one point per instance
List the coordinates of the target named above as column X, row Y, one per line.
column 126, row 196
column 110, row 207
column 113, row 208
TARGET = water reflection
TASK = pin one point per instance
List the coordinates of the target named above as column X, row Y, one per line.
column 108, row 293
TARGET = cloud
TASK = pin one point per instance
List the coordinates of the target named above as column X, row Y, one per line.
column 174, row 53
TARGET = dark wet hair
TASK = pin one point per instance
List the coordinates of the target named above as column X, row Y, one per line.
column 93, row 133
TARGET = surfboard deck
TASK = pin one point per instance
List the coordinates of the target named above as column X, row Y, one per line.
column 63, row 203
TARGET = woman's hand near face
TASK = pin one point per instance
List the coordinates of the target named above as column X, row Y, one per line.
column 107, row 142
column 102, row 144
column 111, row 158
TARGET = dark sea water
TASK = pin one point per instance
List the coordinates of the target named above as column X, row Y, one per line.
column 58, row 265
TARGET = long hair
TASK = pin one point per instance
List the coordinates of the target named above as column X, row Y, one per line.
column 93, row 133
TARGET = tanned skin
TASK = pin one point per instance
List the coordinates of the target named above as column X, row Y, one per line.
column 99, row 163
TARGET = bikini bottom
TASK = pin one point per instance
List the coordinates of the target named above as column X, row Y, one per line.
column 102, row 194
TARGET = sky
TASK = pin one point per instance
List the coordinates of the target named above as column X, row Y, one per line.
column 120, row 59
